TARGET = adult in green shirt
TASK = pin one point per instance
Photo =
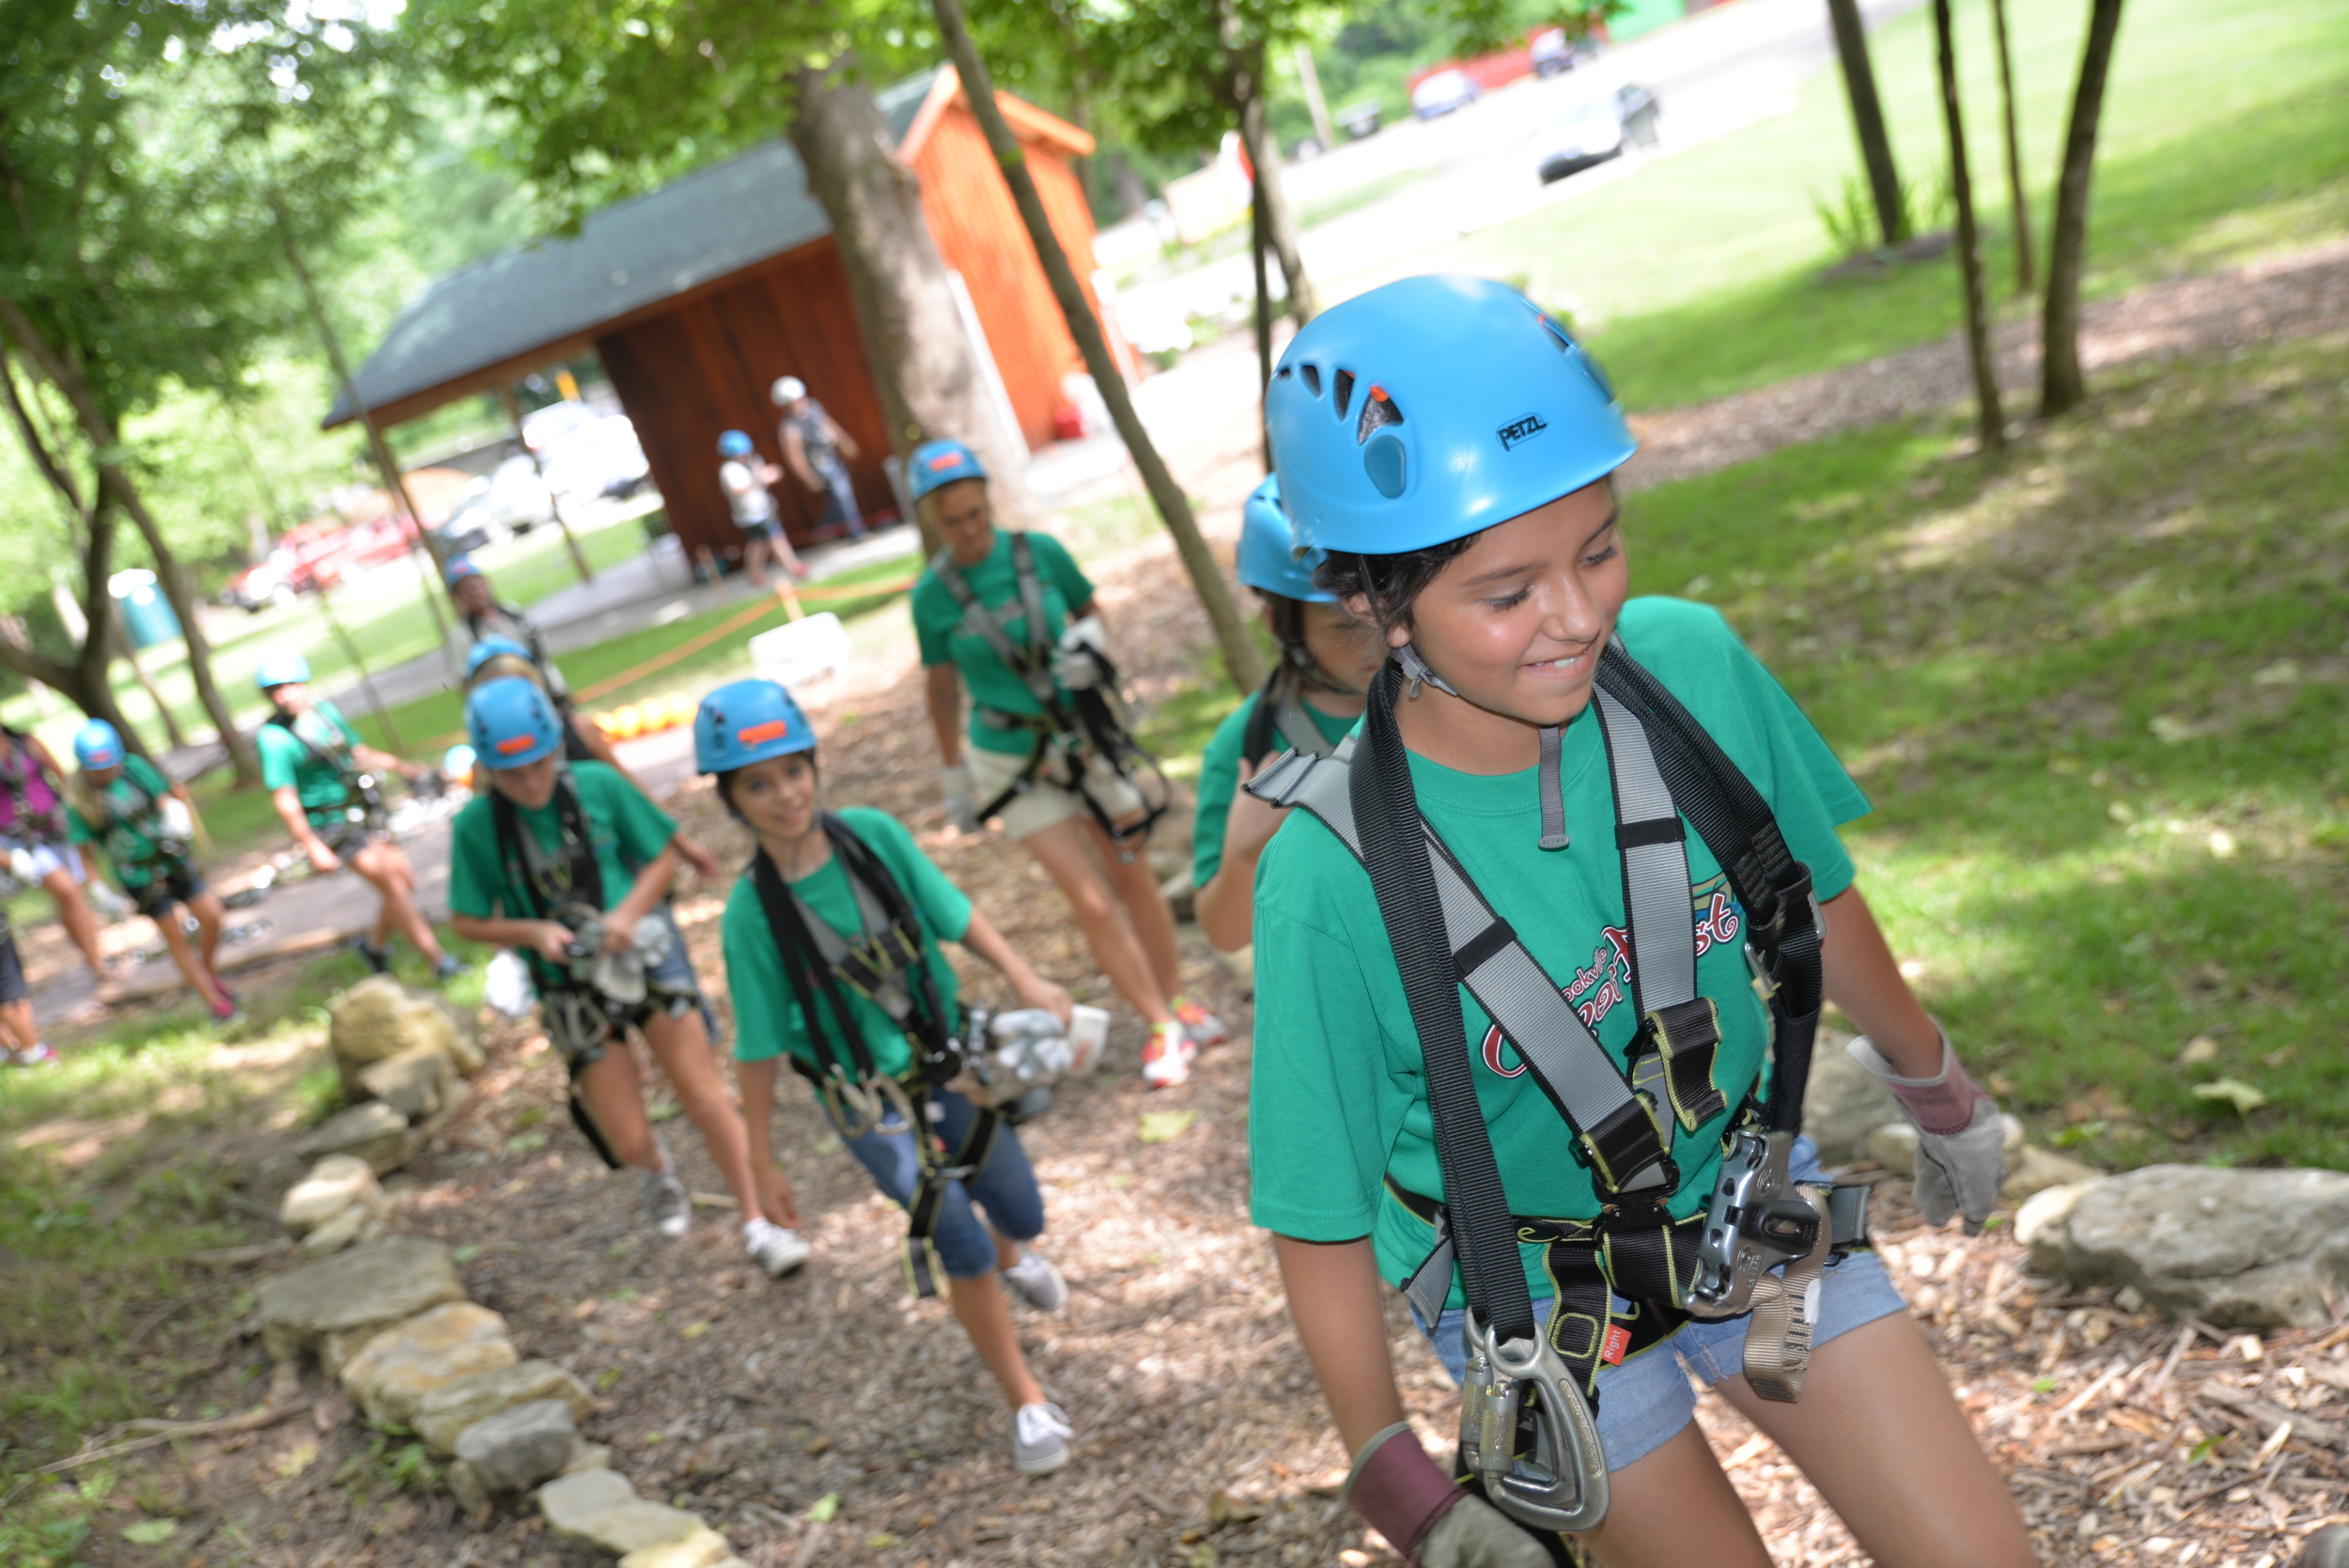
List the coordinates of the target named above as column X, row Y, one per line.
column 570, row 866
column 1452, row 450
column 122, row 807
column 789, row 1004
column 1308, row 704
column 317, row 770
column 1055, row 808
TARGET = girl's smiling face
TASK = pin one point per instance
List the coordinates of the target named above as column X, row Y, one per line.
column 777, row 798
column 1517, row 621
column 959, row 510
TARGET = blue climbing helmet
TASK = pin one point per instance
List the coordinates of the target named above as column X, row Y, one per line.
column 458, row 568
column 493, row 647
column 734, row 443
column 940, row 462
column 281, row 669
column 511, row 724
column 1269, row 562
column 745, row 722
column 98, row 744
column 1432, row 408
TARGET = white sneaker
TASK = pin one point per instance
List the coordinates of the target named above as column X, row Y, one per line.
column 1035, row 1281
column 778, row 1250
column 667, row 1202
column 1166, row 1057
column 1039, row 1439
column 1204, row 1027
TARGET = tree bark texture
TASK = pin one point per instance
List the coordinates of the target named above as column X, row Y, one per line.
column 925, row 366
column 1867, row 119
column 1244, row 88
column 116, row 487
column 2061, row 386
column 1241, row 661
column 1258, row 239
column 1993, row 418
column 2018, row 201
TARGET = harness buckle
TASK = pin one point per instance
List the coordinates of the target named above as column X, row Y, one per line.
column 854, row 1108
column 1528, row 1434
column 1756, row 1221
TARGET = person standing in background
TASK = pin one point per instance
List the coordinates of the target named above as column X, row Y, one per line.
column 32, row 822
column 814, row 447
column 745, row 479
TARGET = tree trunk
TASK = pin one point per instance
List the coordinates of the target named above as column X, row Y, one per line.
column 1244, row 90
column 1241, row 662
column 83, row 682
column 1993, row 418
column 241, row 755
column 925, row 366
column 1258, row 237
column 129, row 655
column 1309, row 79
column 2019, row 202
column 1867, row 119
column 2061, row 386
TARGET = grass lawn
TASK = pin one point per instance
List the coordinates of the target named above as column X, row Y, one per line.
column 1700, row 276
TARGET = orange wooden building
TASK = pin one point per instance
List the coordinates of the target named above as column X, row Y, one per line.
column 698, row 295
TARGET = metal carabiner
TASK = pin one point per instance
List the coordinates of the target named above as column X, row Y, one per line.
column 1557, row 1481
column 852, row 1105
column 1757, row 1219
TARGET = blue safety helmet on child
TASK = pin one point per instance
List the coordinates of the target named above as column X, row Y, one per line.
column 940, row 462
column 98, row 744
column 734, row 443
column 745, row 722
column 1269, row 559
column 458, row 568
column 281, row 669
column 511, row 724
column 1432, row 408
column 489, row 648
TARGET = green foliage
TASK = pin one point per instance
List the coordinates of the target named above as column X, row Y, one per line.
column 1850, row 220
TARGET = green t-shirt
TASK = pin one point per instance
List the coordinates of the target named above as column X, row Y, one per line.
column 1219, row 779
column 127, row 839
column 938, row 626
column 1339, row 1098
column 625, row 831
column 767, row 1018
column 285, row 761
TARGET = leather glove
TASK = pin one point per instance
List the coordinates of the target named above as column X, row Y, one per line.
column 1961, row 1139
column 962, row 809
column 1430, row 1518
column 1083, row 655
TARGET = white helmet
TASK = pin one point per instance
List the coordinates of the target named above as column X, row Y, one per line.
column 789, row 390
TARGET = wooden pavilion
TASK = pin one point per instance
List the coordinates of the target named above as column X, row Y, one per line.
column 697, row 296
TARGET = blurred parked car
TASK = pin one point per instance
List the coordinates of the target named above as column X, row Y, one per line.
column 1591, row 131
column 1442, row 91
column 261, row 586
column 1554, row 54
column 511, row 499
column 586, row 452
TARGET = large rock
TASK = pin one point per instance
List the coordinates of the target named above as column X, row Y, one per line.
column 379, row 1019
column 442, row 1415
column 414, row 1082
column 333, row 1185
column 599, row 1509
column 399, row 1366
column 522, row 1446
column 355, row 1224
column 2236, row 1248
column 370, row 1131
column 1843, row 1103
column 355, row 1294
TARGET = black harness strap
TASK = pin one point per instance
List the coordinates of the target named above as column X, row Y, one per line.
column 357, row 785
column 1279, row 721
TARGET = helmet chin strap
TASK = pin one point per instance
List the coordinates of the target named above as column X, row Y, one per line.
column 1551, row 781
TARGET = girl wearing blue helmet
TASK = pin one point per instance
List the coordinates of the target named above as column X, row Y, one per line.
column 1311, row 698
column 745, row 477
column 1011, row 616
column 1513, row 1052
column 832, row 942
column 570, row 866
column 142, row 823
column 322, row 778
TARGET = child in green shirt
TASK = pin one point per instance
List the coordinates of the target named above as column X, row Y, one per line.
column 868, row 1022
column 123, row 807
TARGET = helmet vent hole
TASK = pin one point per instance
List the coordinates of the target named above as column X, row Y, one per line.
column 1343, row 386
column 1384, row 462
column 1313, row 377
column 1378, row 411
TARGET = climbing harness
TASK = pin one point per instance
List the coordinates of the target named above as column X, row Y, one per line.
column 885, row 965
column 144, row 835
column 1074, row 725
column 19, row 769
column 363, row 797
column 1278, row 719
column 1526, row 1428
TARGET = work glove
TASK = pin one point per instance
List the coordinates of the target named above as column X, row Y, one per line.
column 1961, row 1140
column 1083, row 656
column 1433, row 1520
column 962, row 808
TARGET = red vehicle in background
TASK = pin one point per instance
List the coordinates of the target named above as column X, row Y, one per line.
column 1450, row 84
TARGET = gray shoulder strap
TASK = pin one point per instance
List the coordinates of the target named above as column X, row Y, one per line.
column 1030, row 664
column 1297, row 727
column 1652, row 843
column 890, row 996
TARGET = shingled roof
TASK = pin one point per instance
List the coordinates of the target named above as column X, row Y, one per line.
column 549, row 296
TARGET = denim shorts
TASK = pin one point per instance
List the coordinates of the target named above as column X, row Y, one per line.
column 1004, row 1187
column 1645, row 1402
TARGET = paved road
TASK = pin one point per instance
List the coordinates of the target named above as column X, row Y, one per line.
column 1717, row 71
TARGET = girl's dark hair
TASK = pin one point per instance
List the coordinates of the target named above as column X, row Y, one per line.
column 725, row 781
column 1390, row 582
